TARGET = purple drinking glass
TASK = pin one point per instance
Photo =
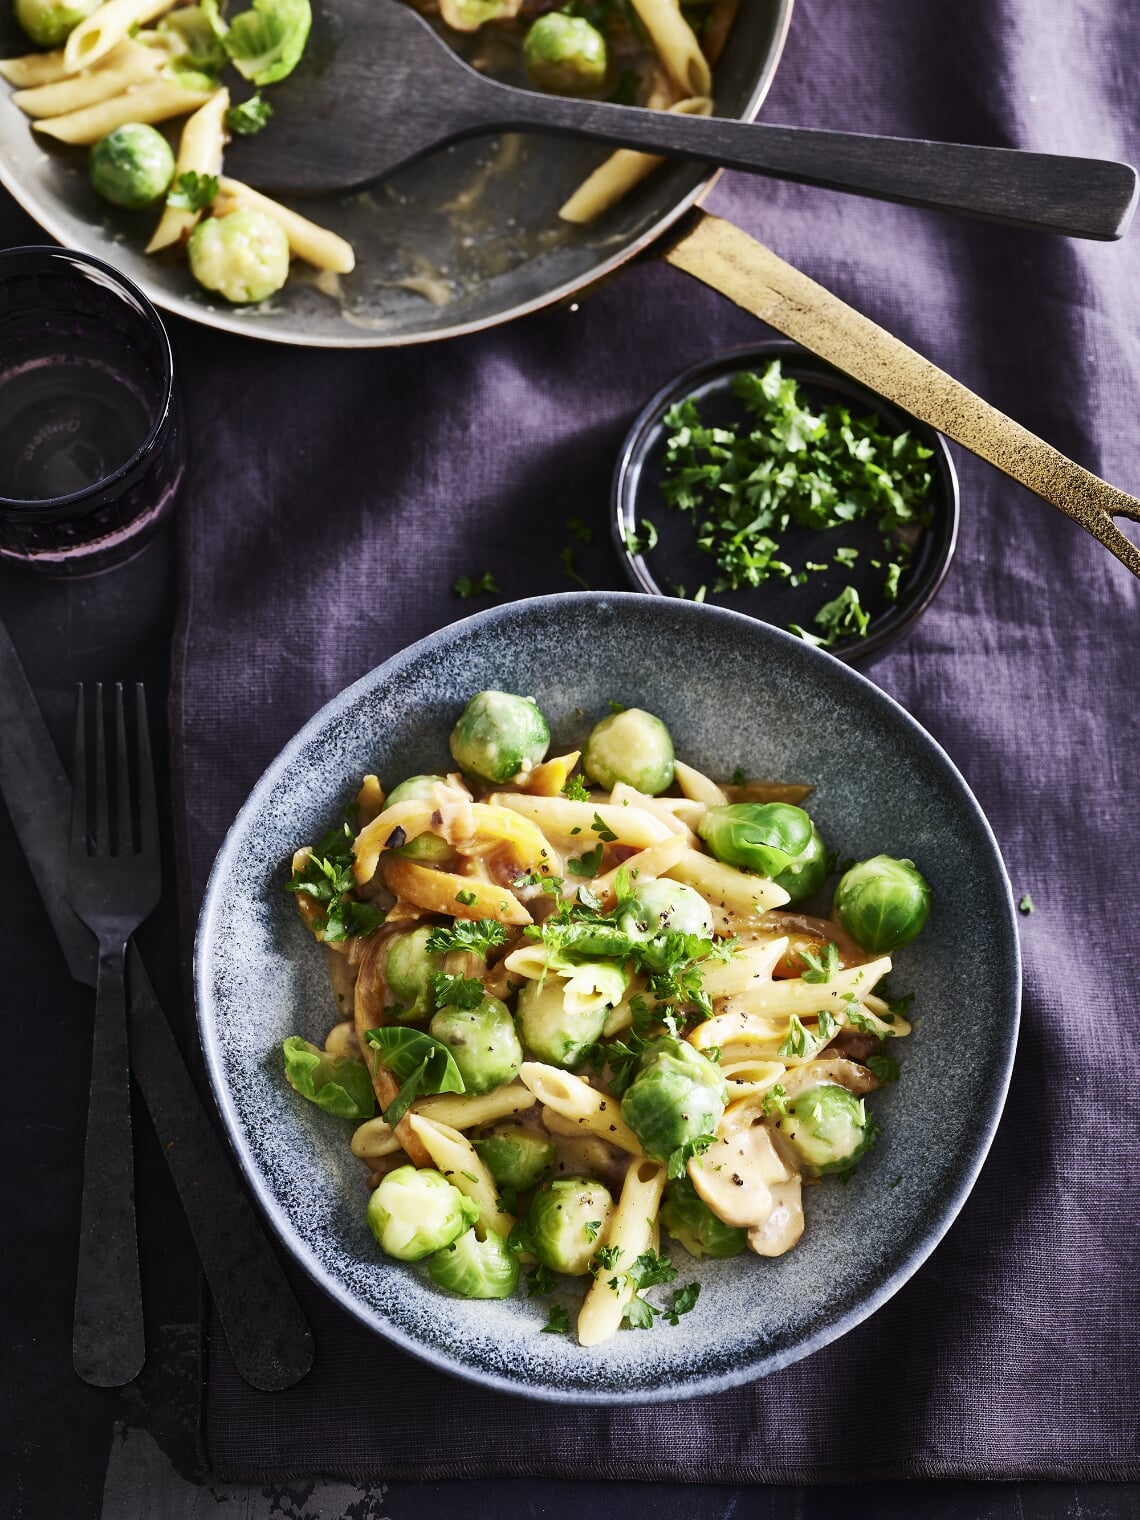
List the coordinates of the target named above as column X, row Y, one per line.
column 91, row 438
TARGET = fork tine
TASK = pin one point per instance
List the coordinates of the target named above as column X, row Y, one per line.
column 79, row 777
column 102, row 822
column 148, row 804
column 124, row 832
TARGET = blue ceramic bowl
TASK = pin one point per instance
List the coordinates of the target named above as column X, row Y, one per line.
column 734, row 693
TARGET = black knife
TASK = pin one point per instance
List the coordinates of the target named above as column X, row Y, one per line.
column 268, row 1334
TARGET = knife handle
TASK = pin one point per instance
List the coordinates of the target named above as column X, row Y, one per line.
column 267, row 1332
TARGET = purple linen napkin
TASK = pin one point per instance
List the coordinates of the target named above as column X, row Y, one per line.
column 336, row 496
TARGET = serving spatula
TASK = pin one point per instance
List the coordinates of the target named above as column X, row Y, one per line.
column 378, row 89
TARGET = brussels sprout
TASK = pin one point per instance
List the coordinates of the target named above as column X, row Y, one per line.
column 565, row 55
column 828, row 1127
column 516, row 1157
column 132, row 166
column 338, row 1084
column 476, row 1268
column 566, row 1219
column 665, row 907
column 677, row 1095
column 774, row 839
column 689, row 1219
column 499, row 736
column 408, row 970
column 48, row 22
column 415, row 1212
column 482, row 1041
column 244, row 255
column 882, row 903
column 557, row 1033
column 631, row 746
column 429, row 847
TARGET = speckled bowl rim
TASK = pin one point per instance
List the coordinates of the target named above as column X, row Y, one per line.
column 916, row 598
column 951, row 1201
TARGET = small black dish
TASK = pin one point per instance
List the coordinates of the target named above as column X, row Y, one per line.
column 676, row 561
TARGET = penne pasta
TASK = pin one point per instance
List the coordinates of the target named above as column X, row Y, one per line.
column 316, row 245
column 458, row 1160
column 630, row 1232
column 620, row 173
column 676, row 45
column 129, row 64
column 736, row 897
column 107, row 26
column 779, row 999
column 445, row 892
column 199, row 152
column 148, row 102
column 586, row 1107
column 575, row 821
column 469, row 1110
column 656, row 861
column 748, row 967
column 697, row 786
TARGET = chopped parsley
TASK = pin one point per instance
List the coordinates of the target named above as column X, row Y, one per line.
column 250, row 117
column 566, row 555
column 821, row 967
column 591, row 1228
column 575, row 789
column 680, row 1302
column 886, row 1068
column 477, row 935
column 194, row 192
column 680, row 1158
column 559, row 1321
column 466, row 898
column 788, row 465
column 588, row 864
column 1026, row 905
column 326, row 877
column 481, row 585
column 580, row 530
column 462, row 992
column 603, row 830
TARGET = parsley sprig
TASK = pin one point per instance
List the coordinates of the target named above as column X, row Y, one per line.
column 327, row 878
column 477, row 935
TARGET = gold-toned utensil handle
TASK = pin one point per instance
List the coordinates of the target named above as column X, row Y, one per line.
column 753, row 277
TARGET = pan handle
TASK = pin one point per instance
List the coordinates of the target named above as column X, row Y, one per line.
column 750, row 275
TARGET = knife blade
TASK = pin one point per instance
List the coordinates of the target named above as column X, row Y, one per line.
column 267, row 1332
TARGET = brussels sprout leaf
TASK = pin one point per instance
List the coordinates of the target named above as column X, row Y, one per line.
column 266, row 42
column 419, row 1063
column 338, row 1084
column 478, row 935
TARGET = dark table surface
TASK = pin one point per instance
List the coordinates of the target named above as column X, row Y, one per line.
column 76, row 1451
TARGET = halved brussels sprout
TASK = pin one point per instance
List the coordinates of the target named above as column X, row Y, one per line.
column 828, row 1127
column 499, row 736
column 482, row 1041
column 665, row 907
column 517, row 1157
column 553, row 1029
column 773, row 839
column 567, row 1217
column 676, row 1096
column 883, row 903
column 408, row 970
column 476, row 1268
column 631, row 746
column 565, row 55
column 688, row 1218
column 414, row 1213
column 132, row 166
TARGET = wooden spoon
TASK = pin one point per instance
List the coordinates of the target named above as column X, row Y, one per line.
column 753, row 277
column 378, row 89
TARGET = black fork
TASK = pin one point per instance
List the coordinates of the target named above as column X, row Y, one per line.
column 113, row 887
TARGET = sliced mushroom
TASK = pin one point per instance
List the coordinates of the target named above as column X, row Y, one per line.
column 784, row 1225
column 737, row 1174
